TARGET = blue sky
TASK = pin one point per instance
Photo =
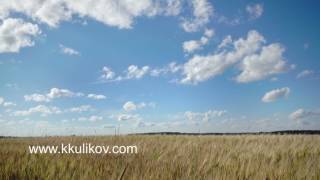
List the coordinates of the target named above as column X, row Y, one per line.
column 71, row 67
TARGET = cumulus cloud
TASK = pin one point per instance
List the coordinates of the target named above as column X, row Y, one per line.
column 131, row 106
column 16, row 34
column 69, row 51
column 193, row 45
column 50, row 12
column 96, row 96
column 58, row 93
column 204, row 116
column 256, row 67
column 107, row 73
column 305, row 73
column 117, row 13
column 302, row 114
column 254, row 11
column 200, row 68
column 41, row 109
column 276, row 94
column 132, row 72
column 225, row 42
column 53, row 94
column 6, row 103
column 37, row 98
column 256, row 60
column 202, row 11
column 135, row 73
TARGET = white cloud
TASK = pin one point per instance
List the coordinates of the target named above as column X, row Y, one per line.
column 5, row 103
column 209, row 33
column 16, row 34
column 200, row 68
column 42, row 109
column 302, row 114
column 113, row 13
column 128, row 117
column 202, row 11
column 131, row 106
column 95, row 118
column 107, row 73
column 305, row 73
column 58, row 93
column 225, row 42
column 205, row 116
column 54, row 93
column 69, row 51
column 193, row 45
column 96, row 96
column 50, row 12
column 254, row 58
column 118, row 13
column 254, row 11
column 37, row 98
column 276, row 94
column 135, row 73
column 80, row 109
column 172, row 67
column 269, row 62
column 8, row 104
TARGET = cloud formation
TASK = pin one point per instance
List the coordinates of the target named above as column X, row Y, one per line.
column 305, row 73
column 131, row 106
column 256, row 61
column 276, row 94
column 132, row 72
column 53, row 94
column 69, row 51
column 96, row 96
column 117, row 13
column 16, row 34
column 193, row 45
column 204, row 116
column 202, row 11
column 302, row 114
column 41, row 109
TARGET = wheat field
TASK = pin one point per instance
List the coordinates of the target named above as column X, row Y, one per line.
column 168, row 157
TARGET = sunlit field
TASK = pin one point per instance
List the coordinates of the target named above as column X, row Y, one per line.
column 168, row 157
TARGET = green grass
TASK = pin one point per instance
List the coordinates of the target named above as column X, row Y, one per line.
column 168, row 157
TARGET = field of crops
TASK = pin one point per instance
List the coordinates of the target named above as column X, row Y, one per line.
column 168, row 157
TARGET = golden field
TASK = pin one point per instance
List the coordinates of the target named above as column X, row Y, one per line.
column 168, row 157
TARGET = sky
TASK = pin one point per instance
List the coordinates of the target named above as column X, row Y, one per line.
column 92, row 68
